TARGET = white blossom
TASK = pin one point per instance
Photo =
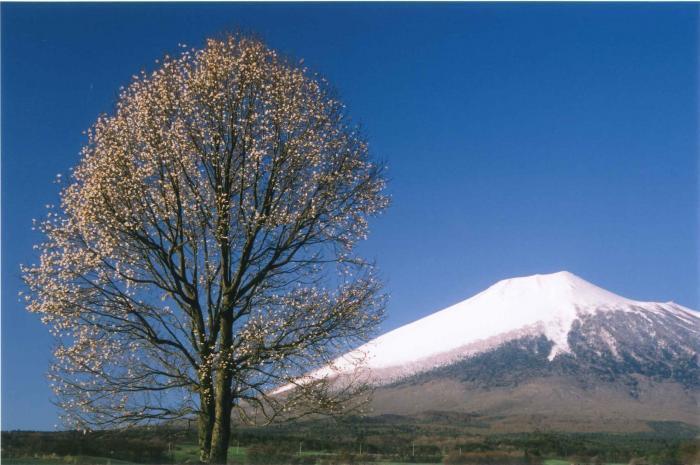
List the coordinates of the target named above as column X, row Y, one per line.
column 204, row 245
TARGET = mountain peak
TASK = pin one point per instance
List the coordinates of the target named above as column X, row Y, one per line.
column 562, row 288
column 541, row 304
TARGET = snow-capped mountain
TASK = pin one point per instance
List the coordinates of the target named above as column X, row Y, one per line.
column 550, row 305
column 550, row 346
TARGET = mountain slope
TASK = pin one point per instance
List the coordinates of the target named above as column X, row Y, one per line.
column 546, row 305
column 541, row 350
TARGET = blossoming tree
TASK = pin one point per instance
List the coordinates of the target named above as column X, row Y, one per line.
column 204, row 251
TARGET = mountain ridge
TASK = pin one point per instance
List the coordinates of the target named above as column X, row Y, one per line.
column 542, row 351
column 547, row 304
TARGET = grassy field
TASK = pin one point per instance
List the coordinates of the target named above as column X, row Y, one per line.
column 555, row 462
column 386, row 440
column 189, row 453
column 183, row 453
column 66, row 460
column 567, row 462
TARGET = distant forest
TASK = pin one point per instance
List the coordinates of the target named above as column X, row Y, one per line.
column 384, row 439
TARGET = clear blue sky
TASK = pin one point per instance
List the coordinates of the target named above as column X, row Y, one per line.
column 520, row 139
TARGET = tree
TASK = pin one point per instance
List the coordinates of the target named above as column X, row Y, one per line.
column 204, row 250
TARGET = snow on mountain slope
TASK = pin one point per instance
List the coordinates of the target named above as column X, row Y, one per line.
column 534, row 305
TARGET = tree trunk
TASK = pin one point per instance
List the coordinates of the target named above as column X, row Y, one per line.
column 205, row 423
column 222, row 399
column 222, row 424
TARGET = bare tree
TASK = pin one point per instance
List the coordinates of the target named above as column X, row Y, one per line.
column 203, row 252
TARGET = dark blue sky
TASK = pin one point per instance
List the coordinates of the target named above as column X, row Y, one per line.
column 520, row 139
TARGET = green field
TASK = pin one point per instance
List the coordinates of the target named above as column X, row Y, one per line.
column 555, row 462
column 182, row 453
column 383, row 441
column 189, row 453
column 66, row 460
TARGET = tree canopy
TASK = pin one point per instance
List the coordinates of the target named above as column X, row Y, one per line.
column 203, row 252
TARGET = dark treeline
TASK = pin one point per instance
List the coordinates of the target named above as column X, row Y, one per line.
column 408, row 440
column 134, row 446
column 597, row 448
column 363, row 440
